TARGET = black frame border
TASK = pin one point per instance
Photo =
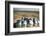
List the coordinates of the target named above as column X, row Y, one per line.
column 7, row 20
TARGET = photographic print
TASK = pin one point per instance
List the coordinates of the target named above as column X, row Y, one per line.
column 24, row 17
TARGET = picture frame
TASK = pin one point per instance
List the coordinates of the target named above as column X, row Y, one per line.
column 24, row 8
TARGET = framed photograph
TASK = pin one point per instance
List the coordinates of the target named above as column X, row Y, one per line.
column 24, row 17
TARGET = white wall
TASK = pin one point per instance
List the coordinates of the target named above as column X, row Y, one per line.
column 2, row 18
